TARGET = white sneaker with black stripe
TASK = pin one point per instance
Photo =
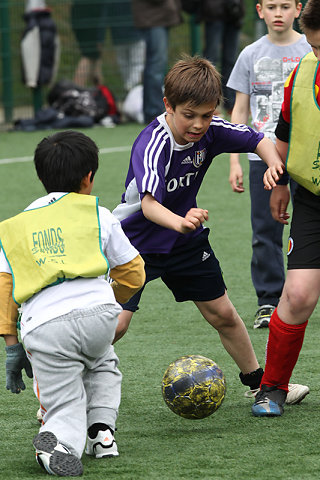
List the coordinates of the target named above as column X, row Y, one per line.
column 103, row 445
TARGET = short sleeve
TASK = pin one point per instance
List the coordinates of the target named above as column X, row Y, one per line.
column 115, row 244
column 239, row 79
column 4, row 266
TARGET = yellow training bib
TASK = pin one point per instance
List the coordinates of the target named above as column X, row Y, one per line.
column 45, row 246
column 303, row 158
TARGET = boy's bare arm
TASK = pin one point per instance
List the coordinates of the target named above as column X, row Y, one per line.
column 282, row 148
column 280, row 196
column 269, row 154
column 240, row 114
column 157, row 213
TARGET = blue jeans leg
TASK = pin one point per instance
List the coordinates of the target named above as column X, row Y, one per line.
column 156, row 39
column 267, row 265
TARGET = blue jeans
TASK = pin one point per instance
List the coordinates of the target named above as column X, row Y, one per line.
column 156, row 39
column 267, row 264
column 221, row 48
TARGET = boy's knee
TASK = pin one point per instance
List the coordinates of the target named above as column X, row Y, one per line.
column 298, row 299
column 225, row 316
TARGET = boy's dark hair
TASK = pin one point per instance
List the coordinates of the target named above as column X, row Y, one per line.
column 62, row 160
column 193, row 80
column 310, row 16
column 261, row 2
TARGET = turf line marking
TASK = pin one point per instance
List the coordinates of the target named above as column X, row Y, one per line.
column 5, row 161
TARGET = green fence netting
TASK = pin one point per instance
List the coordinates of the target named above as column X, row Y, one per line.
column 19, row 101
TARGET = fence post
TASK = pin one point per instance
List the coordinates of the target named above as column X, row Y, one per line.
column 196, row 44
column 37, row 98
column 7, row 80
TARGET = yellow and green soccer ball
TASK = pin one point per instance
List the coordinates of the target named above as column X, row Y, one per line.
column 193, row 386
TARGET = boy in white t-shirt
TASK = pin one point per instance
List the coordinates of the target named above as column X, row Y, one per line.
column 258, row 78
column 54, row 260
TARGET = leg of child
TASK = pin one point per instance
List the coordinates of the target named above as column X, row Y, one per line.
column 298, row 300
column 102, row 382
column 103, row 386
column 58, row 374
column 222, row 315
column 79, row 339
column 124, row 320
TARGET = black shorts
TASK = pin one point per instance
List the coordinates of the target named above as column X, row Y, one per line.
column 191, row 272
column 304, row 240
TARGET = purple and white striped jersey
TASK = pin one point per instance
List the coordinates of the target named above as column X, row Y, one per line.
column 173, row 174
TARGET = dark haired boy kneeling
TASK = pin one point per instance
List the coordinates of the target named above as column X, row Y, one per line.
column 59, row 251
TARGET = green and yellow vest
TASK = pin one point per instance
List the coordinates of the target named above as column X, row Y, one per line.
column 47, row 245
column 303, row 158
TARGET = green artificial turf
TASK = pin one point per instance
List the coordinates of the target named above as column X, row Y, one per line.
column 153, row 442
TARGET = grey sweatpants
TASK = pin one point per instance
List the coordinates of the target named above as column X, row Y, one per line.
column 76, row 374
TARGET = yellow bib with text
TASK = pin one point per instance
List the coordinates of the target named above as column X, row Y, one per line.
column 47, row 245
column 303, row 158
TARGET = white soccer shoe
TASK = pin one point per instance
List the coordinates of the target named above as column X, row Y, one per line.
column 103, row 445
column 54, row 457
column 295, row 395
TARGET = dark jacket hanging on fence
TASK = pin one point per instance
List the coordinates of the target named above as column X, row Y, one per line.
column 156, row 13
column 39, row 48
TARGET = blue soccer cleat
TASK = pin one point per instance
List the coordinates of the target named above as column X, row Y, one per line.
column 269, row 402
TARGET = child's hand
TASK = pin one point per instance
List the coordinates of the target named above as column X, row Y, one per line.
column 236, row 178
column 193, row 219
column 268, row 152
column 272, row 176
column 16, row 361
column 279, row 201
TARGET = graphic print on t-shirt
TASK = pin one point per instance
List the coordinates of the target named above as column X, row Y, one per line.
column 270, row 76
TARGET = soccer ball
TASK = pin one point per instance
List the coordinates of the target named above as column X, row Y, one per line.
column 193, row 386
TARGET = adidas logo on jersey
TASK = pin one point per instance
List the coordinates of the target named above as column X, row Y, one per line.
column 186, row 160
column 205, row 255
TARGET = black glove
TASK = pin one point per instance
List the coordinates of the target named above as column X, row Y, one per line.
column 16, row 361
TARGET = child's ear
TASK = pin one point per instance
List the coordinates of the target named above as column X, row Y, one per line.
column 86, row 181
column 167, row 105
column 259, row 8
column 298, row 10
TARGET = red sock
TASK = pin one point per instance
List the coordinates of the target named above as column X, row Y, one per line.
column 282, row 352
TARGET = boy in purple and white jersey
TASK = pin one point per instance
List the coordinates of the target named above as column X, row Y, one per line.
column 159, row 212
column 172, row 173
